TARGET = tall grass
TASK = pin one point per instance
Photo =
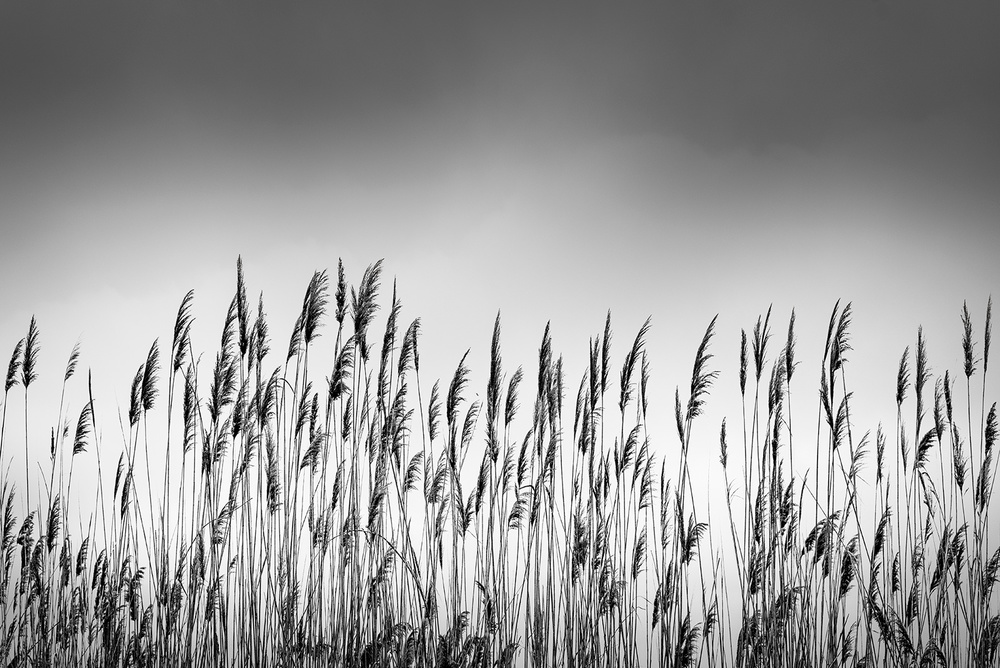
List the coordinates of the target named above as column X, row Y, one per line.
column 341, row 512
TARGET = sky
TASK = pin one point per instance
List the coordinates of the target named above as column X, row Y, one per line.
column 547, row 161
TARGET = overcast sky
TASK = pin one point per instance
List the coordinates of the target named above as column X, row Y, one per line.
column 549, row 161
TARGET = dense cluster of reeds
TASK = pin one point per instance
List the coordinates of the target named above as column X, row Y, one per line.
column 354, row 517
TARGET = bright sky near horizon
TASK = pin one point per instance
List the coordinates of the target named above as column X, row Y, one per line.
column 547, row 161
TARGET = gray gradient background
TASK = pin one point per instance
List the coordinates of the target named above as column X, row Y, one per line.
column 548, row 161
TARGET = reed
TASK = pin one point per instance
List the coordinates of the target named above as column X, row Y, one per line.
column 332, row 512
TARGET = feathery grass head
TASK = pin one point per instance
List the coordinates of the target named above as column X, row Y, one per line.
column 923, row 449
column 743, row 362
column 840, row 423
column 434, row 411
column 605, row 353
column 182, row 333
column 126, row 497
column 340, row 296
column 947, row 395
column 990, row 432
column 242, row 310
column 135, row 405
column 294, row 341
column 83, row 426
column 149, row 371
column 959, row 462
column 987, row 333
column 923, row 373
column 679, row 414
column 761, row 335
column 458, row 383
column 644, row 383
column 776, row 388
column 790, row 362
column 686, row 650
column 594, row 372
column 408, row 353
column 848, row 568
column 701, row 378
column 829, row 332
column 840, row 344
column 273, row 477
column 223, row 386
column 229, row 330
column 968, row 349
column 342, row 370
column 14, row 367
column 984, row 480
column 639, row 554
column 939, row 415
column 189, row 410
column 74, row 357
column 903, row 377
column 54, row 524
column 632, row 358
column 493, row 392
column 314, row 306
column 388, row 345
column 260, row 344
column 723, row 448
column 30, row 361
column 364, row 305
column 880, row 441
column 545, row 361
column 511, row 403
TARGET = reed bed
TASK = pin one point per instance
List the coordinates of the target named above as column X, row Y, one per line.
column 344, row 511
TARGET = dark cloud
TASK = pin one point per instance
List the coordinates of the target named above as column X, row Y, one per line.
column 734, row 74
